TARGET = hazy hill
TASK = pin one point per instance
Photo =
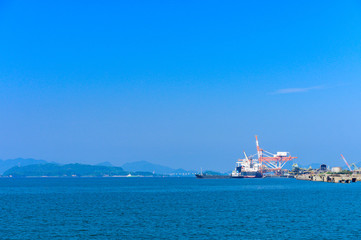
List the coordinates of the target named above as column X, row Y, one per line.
column 181, row 170
column 214, row 173
column 148, row 167
column 56, row 170
column 288, row 165
column 312, row 165
column 156, row 168
column 107, row 164
column 20, row 162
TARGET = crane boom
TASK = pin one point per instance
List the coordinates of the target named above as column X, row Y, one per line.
column 354, row 166
column 246, row 157
column 346, row 162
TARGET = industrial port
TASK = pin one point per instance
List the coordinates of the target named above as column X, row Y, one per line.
column 268, row 164
column 326, row 174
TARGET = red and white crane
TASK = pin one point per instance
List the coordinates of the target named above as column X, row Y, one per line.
column 273, row 162
column 349, row 167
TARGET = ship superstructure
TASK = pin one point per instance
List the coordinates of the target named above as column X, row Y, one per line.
column 247, row 168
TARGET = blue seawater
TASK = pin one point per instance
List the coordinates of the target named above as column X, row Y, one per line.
column 178, row 208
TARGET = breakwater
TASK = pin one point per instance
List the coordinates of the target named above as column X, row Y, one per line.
column 333, row 178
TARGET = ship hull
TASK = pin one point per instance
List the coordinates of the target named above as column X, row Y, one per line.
column 247, row 175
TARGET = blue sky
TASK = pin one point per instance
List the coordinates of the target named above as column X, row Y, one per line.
column 180, row 83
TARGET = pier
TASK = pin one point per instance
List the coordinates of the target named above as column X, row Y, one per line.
column 332, row 178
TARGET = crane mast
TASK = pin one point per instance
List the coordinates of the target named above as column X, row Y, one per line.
column 259, row 150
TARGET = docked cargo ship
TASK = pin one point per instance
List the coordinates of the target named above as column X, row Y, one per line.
column 247, row 168
column 254, row 168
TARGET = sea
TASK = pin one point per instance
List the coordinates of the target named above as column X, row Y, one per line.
column 178, row 208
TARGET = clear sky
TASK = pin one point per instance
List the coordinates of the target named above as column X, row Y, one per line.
column 180, row 83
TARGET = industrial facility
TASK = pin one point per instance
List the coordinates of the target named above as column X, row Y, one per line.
column 324, row 174
column 267, row 164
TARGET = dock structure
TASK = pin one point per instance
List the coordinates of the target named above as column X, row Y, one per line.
column 332, row 178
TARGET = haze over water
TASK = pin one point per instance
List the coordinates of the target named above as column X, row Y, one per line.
column 178, row 208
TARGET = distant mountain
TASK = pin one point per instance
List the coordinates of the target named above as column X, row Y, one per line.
column 44, row 168
column 214, row 173
column 151, row 167
column 313, row 165
column 67, row 170
column 288, row 165
column 107, row 164
column 20, row 162
column 147, row 166
column 180, row 170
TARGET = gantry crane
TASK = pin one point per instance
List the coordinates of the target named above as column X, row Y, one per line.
column 270, row 161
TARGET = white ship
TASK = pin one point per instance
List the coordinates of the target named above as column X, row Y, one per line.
column 247, row 168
